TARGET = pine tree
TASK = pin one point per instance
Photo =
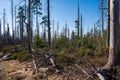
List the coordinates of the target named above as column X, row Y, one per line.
column 36, row 8
column 28, row 27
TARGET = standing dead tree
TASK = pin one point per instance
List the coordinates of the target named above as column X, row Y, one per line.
column 108, row 23
column 4, row 15
column 12, row 18
column 114, row 35
column 81, row 30
column 49, row 32
column 114, row 48
column 102, row 12
column 104, row 73
column 0, row 29
column 77, row 22
column 57, row 29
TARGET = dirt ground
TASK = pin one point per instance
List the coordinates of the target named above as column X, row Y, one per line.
column 14, row 70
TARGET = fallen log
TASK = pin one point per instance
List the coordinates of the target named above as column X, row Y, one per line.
column 100, row 76
column 85, row 72
column 97, row 73
column 34, row 63
column 52, row 62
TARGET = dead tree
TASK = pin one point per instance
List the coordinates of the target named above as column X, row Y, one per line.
column 78, row 23
column 102, row 17
column 12, row 18
column 8, row 34
column 114, row 48
column 66, row 29
column 81, row 31
column 0, row 28
column 68, row 32
column 114, row 37
column 49, row 32
column 81, row 28
column 4, row 15
column 108, row 24
column 53, row 30
column 57, row 29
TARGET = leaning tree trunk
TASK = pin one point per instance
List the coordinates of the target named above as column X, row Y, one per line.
column 114, row 35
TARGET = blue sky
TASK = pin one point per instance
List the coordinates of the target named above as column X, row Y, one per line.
column 64, row 11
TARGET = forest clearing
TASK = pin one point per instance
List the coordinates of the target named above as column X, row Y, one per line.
column 60, row 40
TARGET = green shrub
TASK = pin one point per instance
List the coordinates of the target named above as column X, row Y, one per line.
column 102, row 51
column 64, row 59
column 7, row 48
column 70, row 49
column 21, row 56
column 60, row 43
column 84, row 52
column 39, row 43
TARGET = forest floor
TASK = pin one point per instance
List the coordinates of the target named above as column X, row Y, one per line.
column 73, row 66
column 14, row 70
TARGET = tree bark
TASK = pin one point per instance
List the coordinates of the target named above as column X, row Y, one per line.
column 0, row 28
column 28, row 27
column 108, row 25
column 49, row 32
column 114, row 35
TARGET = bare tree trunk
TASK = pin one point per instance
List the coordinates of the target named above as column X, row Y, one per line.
column 8, row 35
column 37, row 24
column 81, row 32
column 114, row 37
column 66, row 29
column 53, row 31
column 102, row 12
column 112, row 45
column 4, row 15
column 49, row 33
column 21, row 24
column 78, row 24
column 108, row 25
column 0, row 28
column 28, row 27
column 57, row 29
column 12, row 19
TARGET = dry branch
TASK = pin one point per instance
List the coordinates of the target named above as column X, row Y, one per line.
column 85, row 72
column 97, row 73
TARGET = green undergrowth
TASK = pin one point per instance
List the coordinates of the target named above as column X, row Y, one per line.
column 21, row 56
column 64, row 56
column 83, row 55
